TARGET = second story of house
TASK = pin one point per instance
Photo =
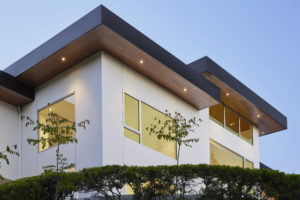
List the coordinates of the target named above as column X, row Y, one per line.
column 102, row 69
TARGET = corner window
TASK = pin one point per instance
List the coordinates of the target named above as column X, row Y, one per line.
column 232, row 121
column 137, row 117
column 64, row 108
column 246, row 130
column 216, row 113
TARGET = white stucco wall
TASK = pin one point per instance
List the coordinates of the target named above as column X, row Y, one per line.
column 9, row 135
column 118, row 78
column 84, row 81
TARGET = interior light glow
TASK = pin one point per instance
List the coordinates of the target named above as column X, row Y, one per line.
column 63, row 59
column 184, row 89
column 141, row 62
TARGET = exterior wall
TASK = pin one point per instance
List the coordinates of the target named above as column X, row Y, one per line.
column 9, row 135
column 84, row 81
column 98, row 84
column 118, row 78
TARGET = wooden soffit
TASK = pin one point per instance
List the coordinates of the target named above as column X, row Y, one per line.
column 101, row 30
column 241, row 99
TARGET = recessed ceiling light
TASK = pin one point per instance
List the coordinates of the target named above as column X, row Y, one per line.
column 227, row 94
column 184, row 89
column 50, row 109
column 258, row 116
column 141, row 61
column 63, row 59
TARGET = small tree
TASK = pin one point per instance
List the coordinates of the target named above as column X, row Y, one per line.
column 10, row 150
column 176, row 128
column 56, row 131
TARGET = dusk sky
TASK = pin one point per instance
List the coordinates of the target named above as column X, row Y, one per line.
column 256, row 41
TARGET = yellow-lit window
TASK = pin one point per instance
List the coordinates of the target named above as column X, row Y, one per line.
column 249, row 164
column 166, row 147
column 231, row 121
column 246, row 130
column 131, row 112
column 216, row 113
column 64, row 108
column 220, row 155
column 132, row 135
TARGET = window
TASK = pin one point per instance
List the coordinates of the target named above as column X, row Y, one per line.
column 139, row 116
column 216, row 113
column 64, row 108
column 246, row 130
column 220, row 155
column 248, row 164
column 166, row 147
column 132, row 118
column 131, row 112
column 232, row 121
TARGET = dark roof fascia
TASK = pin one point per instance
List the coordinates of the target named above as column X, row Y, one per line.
column 8, row 81
column 263, row 166
column 102, row 15
column 206, row 64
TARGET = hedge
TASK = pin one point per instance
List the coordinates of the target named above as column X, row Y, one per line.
column 204, row 182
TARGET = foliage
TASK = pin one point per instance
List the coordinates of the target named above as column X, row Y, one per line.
column 58, row 131
column 175, row 128
column 204, row 182
column 10, row 150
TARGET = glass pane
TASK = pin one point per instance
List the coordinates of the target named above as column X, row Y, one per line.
column 64, row 108
column 131, row 112
column 161, row 145
column 246, row 131
column 132, row 135
column 216, row 113
column 220, row 155
column 232, row 121
column 249, row 164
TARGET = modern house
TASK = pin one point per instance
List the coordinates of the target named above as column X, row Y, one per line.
column 102, row 69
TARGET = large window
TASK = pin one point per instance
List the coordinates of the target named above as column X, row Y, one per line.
column 232, row 122
column 139, row 116
column 64, row 108
column 216, row 113
column 220, row 155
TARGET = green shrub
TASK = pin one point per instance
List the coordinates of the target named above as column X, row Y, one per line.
column 159, row 182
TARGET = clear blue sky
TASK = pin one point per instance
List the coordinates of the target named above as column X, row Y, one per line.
column 256, row 41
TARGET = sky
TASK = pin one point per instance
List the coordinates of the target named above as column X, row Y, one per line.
column 256, row 41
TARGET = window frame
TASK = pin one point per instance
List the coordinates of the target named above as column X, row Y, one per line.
column 51, row 103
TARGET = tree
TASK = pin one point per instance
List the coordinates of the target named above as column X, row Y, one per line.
column 58, row 131
column 176, row 128
column 10, row 150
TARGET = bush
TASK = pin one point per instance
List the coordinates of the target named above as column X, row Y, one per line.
column 204, row 182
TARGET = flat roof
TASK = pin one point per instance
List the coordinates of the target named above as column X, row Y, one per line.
column 240, row 98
